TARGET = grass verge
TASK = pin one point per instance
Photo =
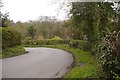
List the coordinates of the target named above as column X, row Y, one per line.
column 10, row 52
column 85, row 65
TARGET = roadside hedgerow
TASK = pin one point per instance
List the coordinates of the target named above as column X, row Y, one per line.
column 10, row 52
column 81, row 44
column 10, row 38
column 44, row 42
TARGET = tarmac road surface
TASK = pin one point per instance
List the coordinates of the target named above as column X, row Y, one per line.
column 38, row 63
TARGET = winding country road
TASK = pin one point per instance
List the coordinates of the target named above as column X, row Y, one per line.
column 38, row 63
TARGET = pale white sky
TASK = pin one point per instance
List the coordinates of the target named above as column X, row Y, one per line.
column 25, row 10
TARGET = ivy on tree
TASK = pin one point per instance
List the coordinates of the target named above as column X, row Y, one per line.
column 109, row 55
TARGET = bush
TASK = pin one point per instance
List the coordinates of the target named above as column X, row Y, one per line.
column 78, row 44
column 52, row 42
column 45, row 42
column 10, row 38
column 56, row 38
column 10, row 52
column 73, row 43
column 109, row 55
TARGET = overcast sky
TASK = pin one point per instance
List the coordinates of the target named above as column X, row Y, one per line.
column 25, row 10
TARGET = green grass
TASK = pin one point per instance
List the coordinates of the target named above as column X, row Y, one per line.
column 89, row 68
column 10, row 52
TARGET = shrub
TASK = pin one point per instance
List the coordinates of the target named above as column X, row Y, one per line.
column 56, row 38
column 14, row 51
column 10, row 38
column 78, row 44
column 28, row 38
column 73, row 43
column 45, row 42
column 109, row 55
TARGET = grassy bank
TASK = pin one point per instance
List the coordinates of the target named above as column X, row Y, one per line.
column 10, row 52
column 85, row 65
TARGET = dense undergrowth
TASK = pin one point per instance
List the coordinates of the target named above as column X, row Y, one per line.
column 11, row 43
column 10, row 52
